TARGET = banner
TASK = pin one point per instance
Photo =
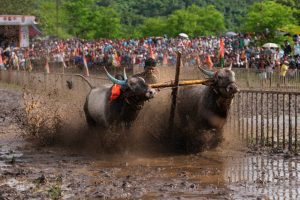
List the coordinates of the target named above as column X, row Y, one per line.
column 24, row 36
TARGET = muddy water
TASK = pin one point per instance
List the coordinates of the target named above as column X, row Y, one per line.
column 31, row 171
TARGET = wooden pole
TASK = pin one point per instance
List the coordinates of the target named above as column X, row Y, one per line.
column 174, row 94
column 180, row 83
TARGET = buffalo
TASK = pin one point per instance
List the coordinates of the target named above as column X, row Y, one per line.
column 203, row 109
column 101, row 111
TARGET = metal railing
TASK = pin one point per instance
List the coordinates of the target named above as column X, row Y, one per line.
column 267, row 118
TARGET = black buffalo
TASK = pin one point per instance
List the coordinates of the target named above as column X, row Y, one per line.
column 203, row 109
column 101, row 112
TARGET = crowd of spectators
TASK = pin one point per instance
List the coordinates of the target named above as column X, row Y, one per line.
column 239, row 50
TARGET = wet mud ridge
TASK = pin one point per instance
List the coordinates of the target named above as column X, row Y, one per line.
column 31, row 171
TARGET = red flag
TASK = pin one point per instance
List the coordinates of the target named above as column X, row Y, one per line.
column 222, row 50
column 87, row 73
column 151, row 52
column 209, row 62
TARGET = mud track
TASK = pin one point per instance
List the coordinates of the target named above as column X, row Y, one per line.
column 31, row 171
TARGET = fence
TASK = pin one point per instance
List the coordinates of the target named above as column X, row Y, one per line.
column 267, row 118
column 246, row 78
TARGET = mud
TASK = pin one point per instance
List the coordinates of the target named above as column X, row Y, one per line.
column 30, row 170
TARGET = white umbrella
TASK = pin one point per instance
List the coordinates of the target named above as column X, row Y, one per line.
column 270, row 45
column 231, row 34
column 184, row 35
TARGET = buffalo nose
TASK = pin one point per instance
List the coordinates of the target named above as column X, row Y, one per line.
column 233, row 88
column 151, row 93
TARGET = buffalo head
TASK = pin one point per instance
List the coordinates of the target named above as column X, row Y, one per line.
column 222, row 81
column 134, row 89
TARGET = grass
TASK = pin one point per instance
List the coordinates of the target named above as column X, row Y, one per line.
column 55, row 192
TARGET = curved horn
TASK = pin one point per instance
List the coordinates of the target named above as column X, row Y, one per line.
column 114, row 80
column 124, row 74
column 207, row 72
column 230, row 66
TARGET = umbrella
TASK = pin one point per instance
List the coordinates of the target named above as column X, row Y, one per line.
column 231, row 34
column 184, row 35
column 270, row 45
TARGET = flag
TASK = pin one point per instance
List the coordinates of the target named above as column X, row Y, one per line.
column 222, row 52
column 209, row 62
column 47, row 68
column 165, row 59
column 151, row 52
column 87, row 73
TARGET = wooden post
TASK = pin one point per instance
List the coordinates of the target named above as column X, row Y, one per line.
column 296, row 127
column 290, row 122
column 174, row 94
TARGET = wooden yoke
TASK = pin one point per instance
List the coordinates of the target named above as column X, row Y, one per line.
column 181, row 83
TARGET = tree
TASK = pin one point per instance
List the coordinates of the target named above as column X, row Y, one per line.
column 89, row 20
column 17, row 7
column 155, row 26
column 52, row 18
column 196, row 21
column 268, row 15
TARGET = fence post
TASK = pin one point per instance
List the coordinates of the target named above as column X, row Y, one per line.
column 296, row 116
column 283, row 120
column 278, row 119
column 290, row 123
column 267, row 106
column 262, row 119
column 272, row 120
column 256, row 112
column 252, row 114
column 239, row 116
column 247, row 116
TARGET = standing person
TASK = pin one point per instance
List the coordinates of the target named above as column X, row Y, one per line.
column 262, row 70
column 283, row 70
column 287, row 48
column 2, row 67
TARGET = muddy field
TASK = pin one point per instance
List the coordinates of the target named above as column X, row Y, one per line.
column 30, row 169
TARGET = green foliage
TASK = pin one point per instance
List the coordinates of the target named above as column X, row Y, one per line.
column 17, row 7
column 53, row 21
column 196, row 21
column 89, row 20
column 137, row 18
column 268, row 15
column 155, row 26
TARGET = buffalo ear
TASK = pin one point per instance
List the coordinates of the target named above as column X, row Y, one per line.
column 209, row 82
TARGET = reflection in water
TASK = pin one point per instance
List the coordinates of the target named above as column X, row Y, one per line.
column 256, row 176
column 214, row 175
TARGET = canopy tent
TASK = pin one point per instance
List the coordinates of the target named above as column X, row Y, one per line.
column 17, row 29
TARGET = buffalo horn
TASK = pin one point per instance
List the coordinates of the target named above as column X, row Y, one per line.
column 210, row 74
column 124, row 74
column 114, row 80
column 230, row 66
